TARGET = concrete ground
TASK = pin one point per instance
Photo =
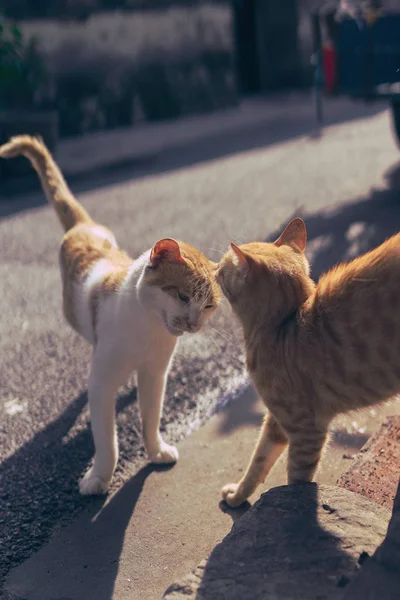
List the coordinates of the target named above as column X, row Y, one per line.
column 243, row 183
column 162, row 522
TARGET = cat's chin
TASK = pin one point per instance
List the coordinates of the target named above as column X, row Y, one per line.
column 175, row 332
column 172, row 330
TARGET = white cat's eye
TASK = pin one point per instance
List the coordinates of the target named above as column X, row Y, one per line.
column 183, row 298
column 209, row 306
column 169, row 288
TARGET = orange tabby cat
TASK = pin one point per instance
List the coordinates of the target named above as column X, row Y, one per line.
column 313, row 351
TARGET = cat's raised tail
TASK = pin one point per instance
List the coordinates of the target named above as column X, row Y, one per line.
column 69, row 210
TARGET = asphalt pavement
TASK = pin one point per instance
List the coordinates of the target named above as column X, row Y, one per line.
column 241, row 184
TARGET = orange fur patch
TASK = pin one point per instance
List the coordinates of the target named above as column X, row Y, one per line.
column 195, row 276
column 80, row 250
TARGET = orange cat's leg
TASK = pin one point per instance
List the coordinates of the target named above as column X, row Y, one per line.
column 305, row 449
column 271, row 443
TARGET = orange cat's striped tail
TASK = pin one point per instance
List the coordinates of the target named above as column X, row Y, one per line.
column 68, row 209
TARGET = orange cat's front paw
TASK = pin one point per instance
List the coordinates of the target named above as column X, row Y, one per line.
column 232, row 495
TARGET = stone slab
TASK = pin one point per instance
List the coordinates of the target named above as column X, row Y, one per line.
column 299, row 541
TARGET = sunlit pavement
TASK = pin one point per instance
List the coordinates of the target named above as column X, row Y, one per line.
column 242, row 184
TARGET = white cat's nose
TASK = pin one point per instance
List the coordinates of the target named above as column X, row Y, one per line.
column 193, row 327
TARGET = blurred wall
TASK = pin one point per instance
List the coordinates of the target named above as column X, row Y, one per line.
column 118, row 62
column 110, row 68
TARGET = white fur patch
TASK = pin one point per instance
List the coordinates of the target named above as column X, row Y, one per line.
column 81, row 297
column 104, row 234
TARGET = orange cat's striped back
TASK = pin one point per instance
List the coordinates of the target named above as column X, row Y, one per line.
column 313, row 351
column 354, row 320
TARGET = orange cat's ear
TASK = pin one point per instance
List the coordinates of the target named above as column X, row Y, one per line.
column 294, row 235
column 243, row 259
column 166, row 249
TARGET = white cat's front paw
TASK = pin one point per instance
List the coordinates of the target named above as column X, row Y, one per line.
column 165, row 454
column 232, row 495
column 93, row 485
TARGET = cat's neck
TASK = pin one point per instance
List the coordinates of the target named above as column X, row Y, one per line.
column 134, row 297
column 277, row 313
column 135, row 275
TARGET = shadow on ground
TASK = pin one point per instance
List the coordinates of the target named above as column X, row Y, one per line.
column 342, row 233
column 380, row 577
column 288, row 545
column 243, row 412
column 48, row 467
column 13, row 200
column 354, row 440
column 100, row 531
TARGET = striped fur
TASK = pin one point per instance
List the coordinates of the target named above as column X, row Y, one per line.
column 313, row 351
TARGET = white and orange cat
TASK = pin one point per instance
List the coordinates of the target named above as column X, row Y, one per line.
column 131, row 311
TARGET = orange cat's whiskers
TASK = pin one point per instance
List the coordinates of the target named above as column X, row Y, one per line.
column 237, row 241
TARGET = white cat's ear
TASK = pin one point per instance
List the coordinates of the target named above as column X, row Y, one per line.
column 166, row 249
column 294, row 235
column 242, row 260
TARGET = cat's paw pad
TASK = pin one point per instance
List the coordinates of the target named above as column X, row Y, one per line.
column 166, row 454
column 93, row 485
column 230, row 493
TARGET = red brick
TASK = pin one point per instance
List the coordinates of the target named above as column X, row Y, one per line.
column 376, row 468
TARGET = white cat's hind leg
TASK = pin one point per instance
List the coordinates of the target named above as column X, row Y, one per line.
column 105, row 378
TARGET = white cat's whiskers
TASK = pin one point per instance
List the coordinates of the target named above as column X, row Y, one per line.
column 227, row 337
column 221, row 252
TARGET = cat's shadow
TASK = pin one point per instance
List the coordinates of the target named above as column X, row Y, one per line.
column 341, row 233
column 243, row 412
column 275, row 539
column 87, row 555
column 234, row 513
column 49, row 467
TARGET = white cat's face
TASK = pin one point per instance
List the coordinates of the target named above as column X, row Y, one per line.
column 179, row 312
column 180, row 288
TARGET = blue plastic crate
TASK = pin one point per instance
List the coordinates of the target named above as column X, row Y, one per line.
column 368, row 56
